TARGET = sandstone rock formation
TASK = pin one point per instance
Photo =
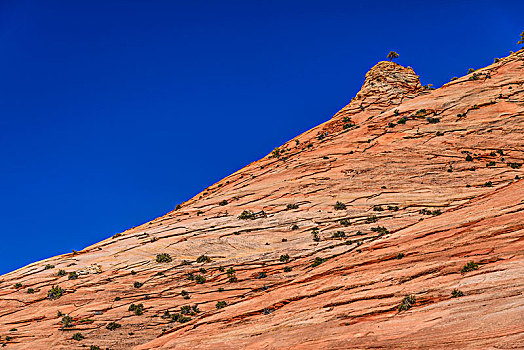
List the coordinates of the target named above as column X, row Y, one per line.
column 357, row 234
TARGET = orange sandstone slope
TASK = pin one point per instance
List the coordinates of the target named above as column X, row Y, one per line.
column 389, row 199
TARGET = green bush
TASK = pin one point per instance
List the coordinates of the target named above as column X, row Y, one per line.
column 72, row 276
column 113, row 325
column 224, row 202
column 18, row 285
column 318, row 261
column 61, row 273
column 340, row 206
column 345, row 222
column 261, row 275
column 469, row 158
column 292, row 206
column 163, row 258
column 67, row 321
column 221, row 304
column 284, row 258
column 457, row 293
column 246, row 215
column 316, row 236
column 203, row 259
column 294, row 227
column 470, row 266
column 371, row 219
column 407, row 303
column 339, row 234
column 49, row 266
column 55, row 293
column 30, row 290
column 402, row 120
column 77, row 336
column 276, row 152
column 380, row 230
column 287, row 269
column 137, row 309
column 200, row 279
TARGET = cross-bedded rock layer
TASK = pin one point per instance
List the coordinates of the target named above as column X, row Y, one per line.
column 427, row 180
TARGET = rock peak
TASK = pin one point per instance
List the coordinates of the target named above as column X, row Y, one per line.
column 387, row 83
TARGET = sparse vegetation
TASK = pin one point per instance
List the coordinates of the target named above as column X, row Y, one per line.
column 425, row 211
column 345, row 222
column 521, row 41
column 488, row 184
column 203, row 259
column 287, row 269
column 400, row 256
column 469, row 158
column 318, row 261
column 61, row 273
column 163, row 258
column 292, row 206
column 276, row 152
column 247, row 215
column 407, row 303
column 470, row 266
column 284, row 258
column 294, row 227
column 340, row 206
column 55, row 293
column 371, row 219
column 515, row 165
column 392, row 55
column 30, row 290
column 224, row 202
column 457, row 293
column 113, row 325
column 200, row 279
column 18, row 285
column 137, row 309
column 339, row 234
column 231, row 275
column 316, row 236
column 402, row 120
column 67, row 321
column 221, row 304
column 77, row 336
column 380, row 230
column 137, row 284
column 49, row 266
column 261, row 275
column 72, row 276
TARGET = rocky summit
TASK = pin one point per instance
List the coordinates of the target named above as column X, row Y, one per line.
column 398, row 223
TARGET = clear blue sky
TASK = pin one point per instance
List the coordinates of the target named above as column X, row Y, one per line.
column 112, row 112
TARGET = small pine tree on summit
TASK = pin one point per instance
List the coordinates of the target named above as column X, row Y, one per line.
column 521, row 42
column 392, row 55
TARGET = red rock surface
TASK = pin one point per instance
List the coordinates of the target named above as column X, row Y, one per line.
column 416, row 212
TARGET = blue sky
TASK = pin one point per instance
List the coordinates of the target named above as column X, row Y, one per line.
column 112, row 112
